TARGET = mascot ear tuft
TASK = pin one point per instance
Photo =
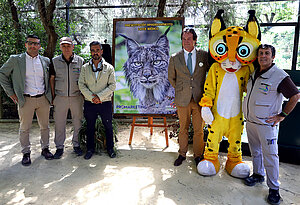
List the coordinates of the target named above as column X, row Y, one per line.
column 219, row 13
column 217, row 24
column 251, row 12
column 252, row 26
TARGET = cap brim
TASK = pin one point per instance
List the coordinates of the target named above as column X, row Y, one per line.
column 67, row 42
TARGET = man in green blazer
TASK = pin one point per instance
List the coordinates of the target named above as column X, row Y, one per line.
column 25, row 79
column 186, row 73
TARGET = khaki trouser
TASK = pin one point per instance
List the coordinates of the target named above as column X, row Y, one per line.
column 61, row 106
column 184, row 114
column 41, row 107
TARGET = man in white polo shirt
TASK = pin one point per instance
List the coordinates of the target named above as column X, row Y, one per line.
column 25, row 79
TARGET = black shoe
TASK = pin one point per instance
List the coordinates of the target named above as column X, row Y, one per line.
column 47, row 154
column 26, row 159
column 88, row 155
column 111, row 153
column 198, row 159
column 253, row 179
column 58, row 153
column 78, row 151
column 179, row 160
column 274, row 197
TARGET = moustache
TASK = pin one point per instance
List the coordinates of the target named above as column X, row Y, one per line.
column 95, row 56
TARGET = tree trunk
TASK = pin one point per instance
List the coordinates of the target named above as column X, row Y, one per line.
column 17, row 27
column 180, row 12
column 46, row 14
column 1, row 104
column 161, row 8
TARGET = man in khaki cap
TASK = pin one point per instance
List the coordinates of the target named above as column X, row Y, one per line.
column 64, row 74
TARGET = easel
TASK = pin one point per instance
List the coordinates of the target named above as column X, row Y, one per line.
column 151, row 125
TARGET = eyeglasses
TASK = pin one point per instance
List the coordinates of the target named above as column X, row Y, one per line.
column 33, row 43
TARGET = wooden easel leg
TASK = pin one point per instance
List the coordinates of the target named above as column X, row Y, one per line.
column 166, row 132
column 131, row 131
column 151, row 123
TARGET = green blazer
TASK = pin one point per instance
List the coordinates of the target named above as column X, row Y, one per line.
column 12, row 76
column 187, row 85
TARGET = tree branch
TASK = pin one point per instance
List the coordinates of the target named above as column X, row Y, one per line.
column 46, row 15
column 180, row 12
column 161, row 8
column 16, row 23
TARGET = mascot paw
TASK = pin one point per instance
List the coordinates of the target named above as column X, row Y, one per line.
column 206, row 168
column 241, row 170
column 207, row 115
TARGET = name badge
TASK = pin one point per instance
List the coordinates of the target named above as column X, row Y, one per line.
column 264, row 88
column 76, row 70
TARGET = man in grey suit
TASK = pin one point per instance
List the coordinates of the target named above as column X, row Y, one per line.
column 25, row 79
column 186, row 73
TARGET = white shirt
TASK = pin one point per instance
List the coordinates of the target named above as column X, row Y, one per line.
column 34, row 78
column 94, row 68
column 186, row 55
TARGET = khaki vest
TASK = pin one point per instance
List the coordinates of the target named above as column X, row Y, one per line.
column 263, row 100
column 66, row 77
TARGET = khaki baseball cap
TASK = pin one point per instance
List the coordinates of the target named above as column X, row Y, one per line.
column 66, row 40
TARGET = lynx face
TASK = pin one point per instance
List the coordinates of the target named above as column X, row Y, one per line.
column 146, row 70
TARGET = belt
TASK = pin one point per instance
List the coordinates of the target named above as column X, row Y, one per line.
column 33, row 96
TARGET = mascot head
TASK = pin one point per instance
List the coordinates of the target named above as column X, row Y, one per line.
column 234, row 46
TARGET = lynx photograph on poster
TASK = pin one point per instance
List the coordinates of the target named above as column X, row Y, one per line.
column 141, row 51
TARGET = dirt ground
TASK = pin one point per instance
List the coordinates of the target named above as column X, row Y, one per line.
column 141, row 174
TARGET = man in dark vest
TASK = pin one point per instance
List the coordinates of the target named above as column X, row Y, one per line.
column 64, row 71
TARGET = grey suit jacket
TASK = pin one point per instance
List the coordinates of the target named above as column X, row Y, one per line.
column 12, row 76
column 187, row 85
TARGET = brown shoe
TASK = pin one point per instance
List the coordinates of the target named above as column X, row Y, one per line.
column 179, row 160
column 26, row 159
column 47, row 154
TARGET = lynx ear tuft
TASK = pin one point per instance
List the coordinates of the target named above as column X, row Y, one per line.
column 131, row 45
column 163, row 43
column 167, row 30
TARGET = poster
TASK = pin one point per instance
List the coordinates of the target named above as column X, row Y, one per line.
column 141, row 52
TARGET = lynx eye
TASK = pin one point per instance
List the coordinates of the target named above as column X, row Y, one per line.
column 156, row 62
column 221, row 49
column 159, row 64
column 137, row 64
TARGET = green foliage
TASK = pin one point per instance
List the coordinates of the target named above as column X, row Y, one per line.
column 100, row 140
column 7, row 37
column 29, row 23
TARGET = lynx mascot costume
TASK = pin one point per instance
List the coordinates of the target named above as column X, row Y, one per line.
column 234, row 49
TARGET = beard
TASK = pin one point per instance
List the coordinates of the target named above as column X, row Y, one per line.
column 96, row 57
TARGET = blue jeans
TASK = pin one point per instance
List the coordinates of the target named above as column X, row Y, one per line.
column 91, row 112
